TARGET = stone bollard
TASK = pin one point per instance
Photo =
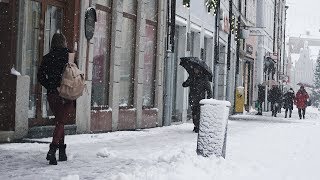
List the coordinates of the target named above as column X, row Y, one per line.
column 213, row 127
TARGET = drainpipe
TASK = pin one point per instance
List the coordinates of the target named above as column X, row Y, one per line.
column 284, row 40
column 168, row 80
column 216, row 51
column 229, row 52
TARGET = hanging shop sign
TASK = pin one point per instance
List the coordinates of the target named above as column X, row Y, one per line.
column 256, row 32
column 89, row 23
column 245, row 34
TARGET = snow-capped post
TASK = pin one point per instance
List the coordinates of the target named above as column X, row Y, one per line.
column 213, row 128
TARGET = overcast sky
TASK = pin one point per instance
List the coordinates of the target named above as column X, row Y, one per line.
column 303, row 15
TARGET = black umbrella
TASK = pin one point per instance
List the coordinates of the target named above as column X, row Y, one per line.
column 189, row 63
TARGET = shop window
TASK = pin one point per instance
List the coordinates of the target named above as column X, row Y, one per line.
column 101, row 58
column 150, row 54
column 127, row 56
column 149, row 66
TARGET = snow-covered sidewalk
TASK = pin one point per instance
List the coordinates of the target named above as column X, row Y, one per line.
column 258, row 148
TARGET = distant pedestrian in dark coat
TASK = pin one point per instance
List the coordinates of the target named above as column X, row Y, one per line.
column 301, row 101
column 261, row 98
column 49, row 76
column 199, row 87
column 288, row 99
column 275, row 97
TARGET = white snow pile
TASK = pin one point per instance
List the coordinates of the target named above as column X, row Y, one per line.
column 104, row 153
column 15, row 72
column 71, row 177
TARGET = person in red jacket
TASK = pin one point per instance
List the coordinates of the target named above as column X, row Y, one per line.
column 301, row 101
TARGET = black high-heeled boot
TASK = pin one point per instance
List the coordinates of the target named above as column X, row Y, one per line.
column 62, row 152
column 51, row 156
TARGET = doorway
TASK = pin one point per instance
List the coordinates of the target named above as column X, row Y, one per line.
column 43, row 19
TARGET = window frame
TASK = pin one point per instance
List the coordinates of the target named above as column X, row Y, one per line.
column 154, row 68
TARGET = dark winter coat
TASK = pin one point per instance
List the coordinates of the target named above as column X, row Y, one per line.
column 301, row 99
column 275, row 95
column 51, row 69
column 199, row 87
column 288, row 99
column 261, row 93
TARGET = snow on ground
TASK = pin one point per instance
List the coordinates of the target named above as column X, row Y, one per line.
column 258, row 148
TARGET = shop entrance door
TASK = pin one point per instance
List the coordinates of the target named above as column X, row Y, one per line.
column 44, row 18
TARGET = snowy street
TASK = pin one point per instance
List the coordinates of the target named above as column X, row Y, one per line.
column 258, row 148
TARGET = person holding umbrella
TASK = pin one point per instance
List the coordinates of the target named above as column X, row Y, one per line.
column 275, row 97
column 198, row 82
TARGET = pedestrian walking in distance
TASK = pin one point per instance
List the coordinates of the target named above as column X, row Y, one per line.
column 288, row 99
column 49, row 76
column 275, row 97
column 199, row 87
column 301, row 100
column 261, row 98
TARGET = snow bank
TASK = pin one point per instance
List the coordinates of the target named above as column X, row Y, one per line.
column 212, row 128
column 186, row 165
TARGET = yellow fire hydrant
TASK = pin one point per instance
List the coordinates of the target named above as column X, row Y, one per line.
column 239, row 99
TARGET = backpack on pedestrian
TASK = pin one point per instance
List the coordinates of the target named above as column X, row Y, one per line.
column 72, row 82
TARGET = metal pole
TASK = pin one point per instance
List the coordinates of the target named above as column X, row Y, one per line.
column 229, row 53
column 238, row 55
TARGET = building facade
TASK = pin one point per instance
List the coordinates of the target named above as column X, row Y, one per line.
column 266, row 60
column 271, row 56
column 123, row 64
column 195, row 33
column 194, row 36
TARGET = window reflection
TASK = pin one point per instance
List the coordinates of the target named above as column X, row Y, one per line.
column 32, row 51
column 149, row 66
column 101, row 54
column 127, row 62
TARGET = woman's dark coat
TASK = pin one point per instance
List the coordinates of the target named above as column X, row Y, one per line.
column 199, row 87
column 51, row 69
column 275, row 95
column 288, row 100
